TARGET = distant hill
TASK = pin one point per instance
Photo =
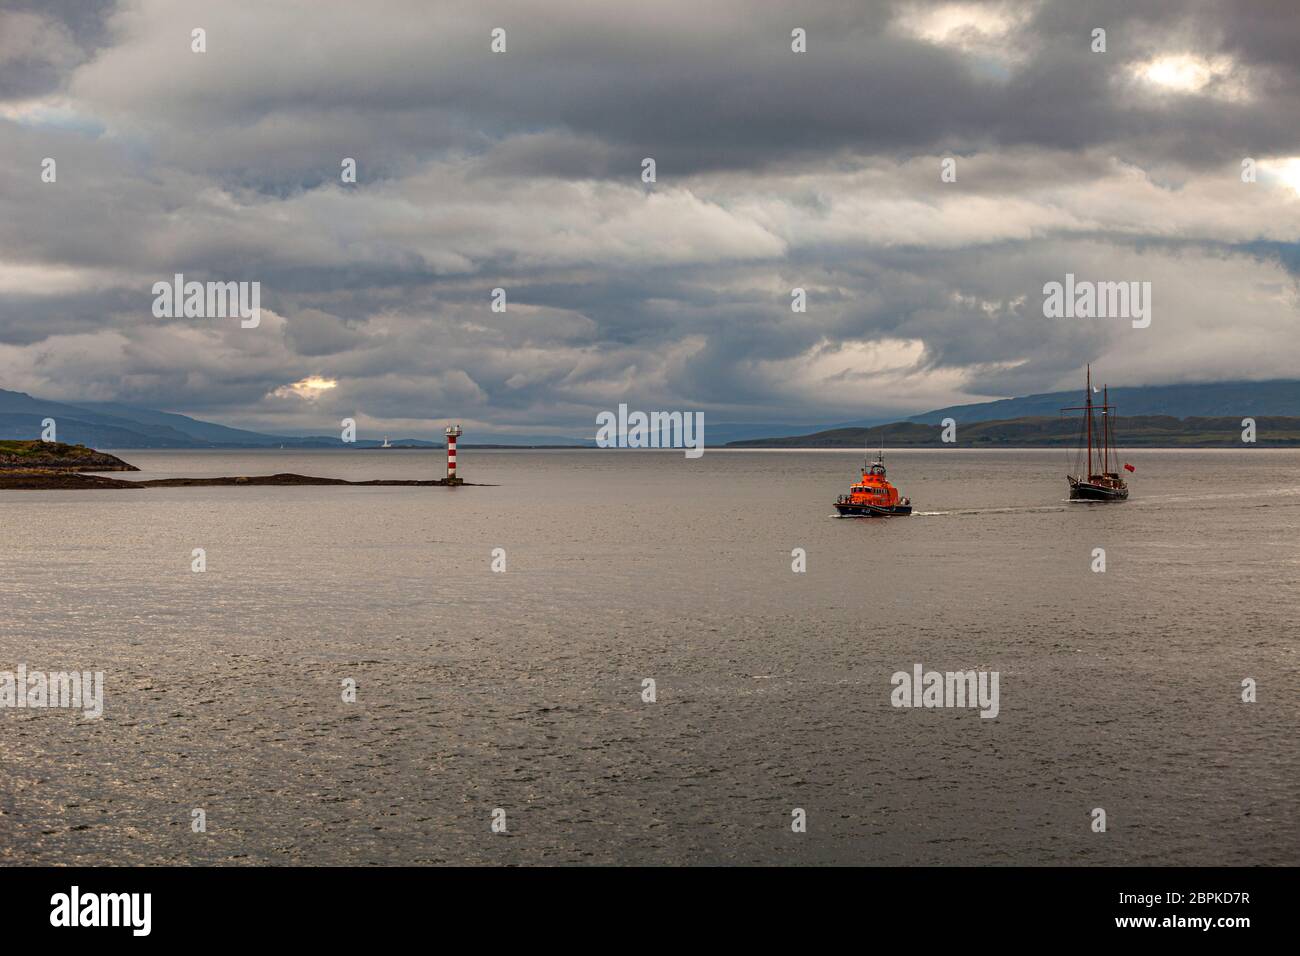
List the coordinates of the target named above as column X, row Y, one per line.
column 1158, row 431
column 118, row 425
column 21, row 416
column 114, row 425
column 192, row 428
column 1218, row 399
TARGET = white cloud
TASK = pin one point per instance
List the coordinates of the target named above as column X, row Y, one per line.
column 309, row 388
column 988, row 31
column 1193, row 74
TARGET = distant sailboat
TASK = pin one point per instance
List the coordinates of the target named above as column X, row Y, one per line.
column 1096, row 481
column 385, row 444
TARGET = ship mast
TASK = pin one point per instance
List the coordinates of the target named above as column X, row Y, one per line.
column 1110, row 429
column 1088, row 404
column 1105, row 436
column 1105, row 429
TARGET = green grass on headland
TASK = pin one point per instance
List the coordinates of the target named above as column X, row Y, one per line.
column 55, row 449
column 53, row 454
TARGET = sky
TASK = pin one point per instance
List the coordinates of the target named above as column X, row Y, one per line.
column 522, row 170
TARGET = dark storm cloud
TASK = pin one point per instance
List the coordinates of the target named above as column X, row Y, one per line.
column 42, row 40
column 701, row 89
column 522, row 171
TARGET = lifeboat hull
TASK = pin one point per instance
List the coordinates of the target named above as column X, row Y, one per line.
column 851, row 510
column 1091, row 491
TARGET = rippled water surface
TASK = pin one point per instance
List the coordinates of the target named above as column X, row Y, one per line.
column 523, row 690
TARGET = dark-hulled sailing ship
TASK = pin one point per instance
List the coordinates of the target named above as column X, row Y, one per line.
column 1096, row 481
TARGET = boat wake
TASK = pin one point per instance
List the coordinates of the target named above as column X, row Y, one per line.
column 962, row 512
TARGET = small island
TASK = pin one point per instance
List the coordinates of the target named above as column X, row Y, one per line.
column 53, row 455
column 46, row 466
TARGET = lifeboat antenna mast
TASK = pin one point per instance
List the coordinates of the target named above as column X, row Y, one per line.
column 880, row 455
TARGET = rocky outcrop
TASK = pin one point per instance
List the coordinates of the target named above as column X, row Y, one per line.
column 56, row 456
column 47, row 479
column 51, row 466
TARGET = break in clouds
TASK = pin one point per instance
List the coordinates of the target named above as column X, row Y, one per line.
column 522, row 170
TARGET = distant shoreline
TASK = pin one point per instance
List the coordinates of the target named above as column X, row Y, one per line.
column 1017, row 446
column 54, row 466
column 56, row 480
column 751, row 445
column 1139, row 431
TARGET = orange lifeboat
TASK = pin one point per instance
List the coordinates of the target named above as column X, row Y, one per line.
column 873, row 496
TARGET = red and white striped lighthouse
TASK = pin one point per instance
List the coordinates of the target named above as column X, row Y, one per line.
column 452, row 432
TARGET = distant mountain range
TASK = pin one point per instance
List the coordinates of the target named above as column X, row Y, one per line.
column 1152, row 431
column 1218, row 399
column 115, row 425
column 1214, row 400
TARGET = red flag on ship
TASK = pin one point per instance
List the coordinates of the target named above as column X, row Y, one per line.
column 1128, row 467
